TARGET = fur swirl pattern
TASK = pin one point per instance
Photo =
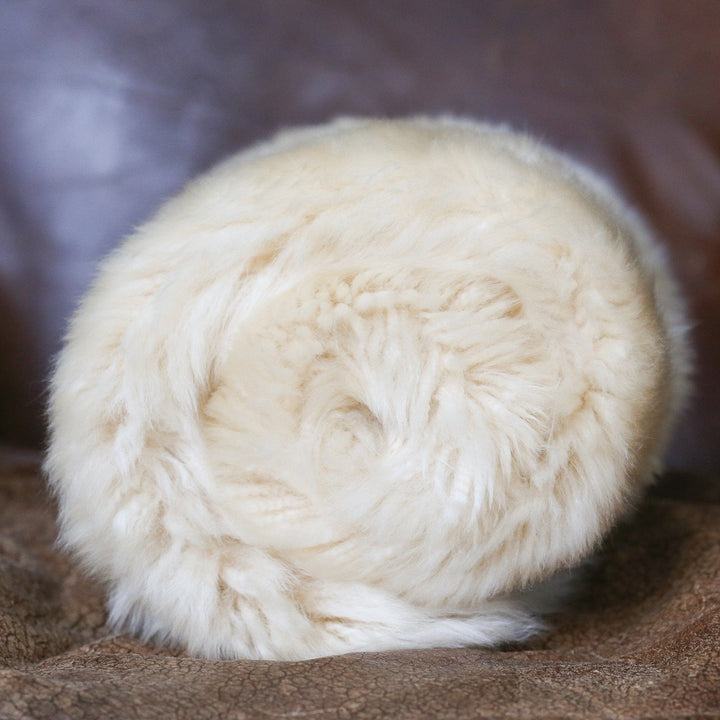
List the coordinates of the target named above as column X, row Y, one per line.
column 363, row 387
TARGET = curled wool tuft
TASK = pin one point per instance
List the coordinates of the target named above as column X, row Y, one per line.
column 360, row 388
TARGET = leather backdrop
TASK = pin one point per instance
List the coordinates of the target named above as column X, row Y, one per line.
column 109, row 106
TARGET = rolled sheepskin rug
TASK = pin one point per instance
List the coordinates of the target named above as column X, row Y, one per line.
column 363, row 387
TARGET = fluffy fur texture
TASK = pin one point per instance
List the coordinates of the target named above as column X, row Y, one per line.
column 359, row 388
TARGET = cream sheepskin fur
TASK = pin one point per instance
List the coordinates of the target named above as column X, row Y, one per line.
column 360, row 388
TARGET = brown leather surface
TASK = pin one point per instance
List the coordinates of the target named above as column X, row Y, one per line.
column 106, row 108
column 641, row 639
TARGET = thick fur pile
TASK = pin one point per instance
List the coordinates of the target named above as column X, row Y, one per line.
column 360, row 388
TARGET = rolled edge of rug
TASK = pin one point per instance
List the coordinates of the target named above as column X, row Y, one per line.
column 359, row 388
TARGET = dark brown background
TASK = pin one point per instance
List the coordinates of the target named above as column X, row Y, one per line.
column 109, row 107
